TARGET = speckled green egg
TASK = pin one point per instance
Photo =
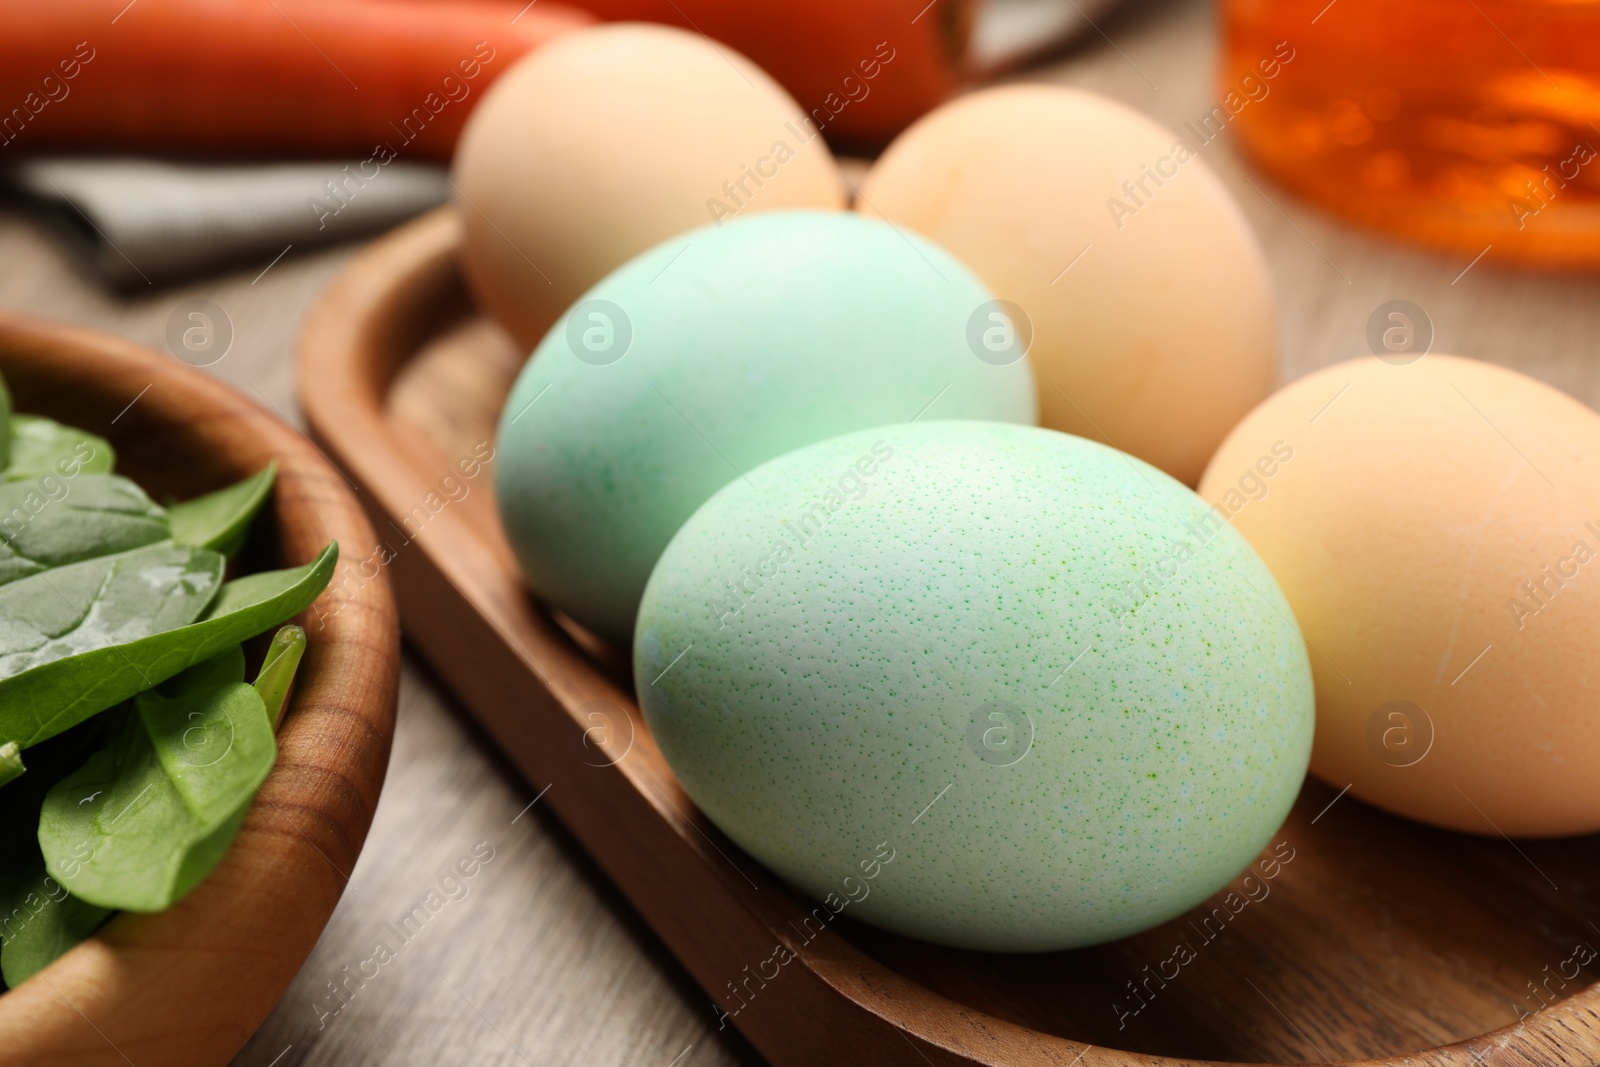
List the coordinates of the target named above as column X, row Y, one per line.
column 715, row 352
column 987, row 685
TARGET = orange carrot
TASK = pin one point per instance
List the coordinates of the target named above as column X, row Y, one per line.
column 257, row 77
column 862, row 69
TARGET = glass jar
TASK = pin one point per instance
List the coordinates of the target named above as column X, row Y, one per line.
column 1472, row 126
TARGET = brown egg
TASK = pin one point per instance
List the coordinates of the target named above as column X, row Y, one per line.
column 1152, row 314
column 606, row 142
column 1436, row 528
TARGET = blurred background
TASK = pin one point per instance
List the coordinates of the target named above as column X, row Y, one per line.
column 161, row 138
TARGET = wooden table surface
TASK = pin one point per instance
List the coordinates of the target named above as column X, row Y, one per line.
column 541, row 961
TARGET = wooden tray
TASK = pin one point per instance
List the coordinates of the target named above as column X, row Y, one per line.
column 191, row 984
column 1376, row 940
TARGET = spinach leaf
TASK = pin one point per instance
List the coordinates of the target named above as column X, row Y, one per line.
column 55, row 521
column 40, row 446
column 148, row 816
column 11, row 767
column 220, row 520
column 277, row 671
column 101, row 602
column 41, row 696
column 5, row 425
column 223, row 669
column 52, row 521
column 38, row 919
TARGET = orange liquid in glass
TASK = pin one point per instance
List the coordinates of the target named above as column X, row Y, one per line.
column 1460, row 124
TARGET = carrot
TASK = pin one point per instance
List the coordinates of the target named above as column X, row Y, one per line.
column 862, row 69
column 257, row 77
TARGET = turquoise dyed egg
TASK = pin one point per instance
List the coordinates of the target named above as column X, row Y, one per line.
column 715, row 352
column 987, row 685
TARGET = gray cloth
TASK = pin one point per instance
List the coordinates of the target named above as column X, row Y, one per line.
column 139, row 222
column 1009, row 33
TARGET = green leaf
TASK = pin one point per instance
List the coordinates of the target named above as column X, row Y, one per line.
column 39, row 921
column 220, row 520
column 148, row 816
column 225, row 668
column 52, row 694
column 11, row 767
column 5, row 425
column 56, row 521
column 278, row 670
column 40, row 446
column 65, row 612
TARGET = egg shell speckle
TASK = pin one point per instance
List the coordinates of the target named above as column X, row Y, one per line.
column 922, row 639
column 747, row 341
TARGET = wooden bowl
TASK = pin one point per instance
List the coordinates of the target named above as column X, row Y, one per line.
column 191, row 984
column 1372, row 940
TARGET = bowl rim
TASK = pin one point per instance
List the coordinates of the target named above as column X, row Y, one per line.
column 193, row 983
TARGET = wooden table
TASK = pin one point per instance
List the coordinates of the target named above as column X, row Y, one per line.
column 540, row 961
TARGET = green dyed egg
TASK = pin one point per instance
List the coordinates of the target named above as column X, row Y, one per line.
column 1065, row 699
column 711, row 354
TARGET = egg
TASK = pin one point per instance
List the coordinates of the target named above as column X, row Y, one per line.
column 1146, row 296
column 988, row 685
column 604, row 142
column 710, row 354
column 1435, row 526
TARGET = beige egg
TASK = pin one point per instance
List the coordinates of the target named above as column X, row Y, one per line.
column 1436, row 528
column 607, row 141
column 1152, row 315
